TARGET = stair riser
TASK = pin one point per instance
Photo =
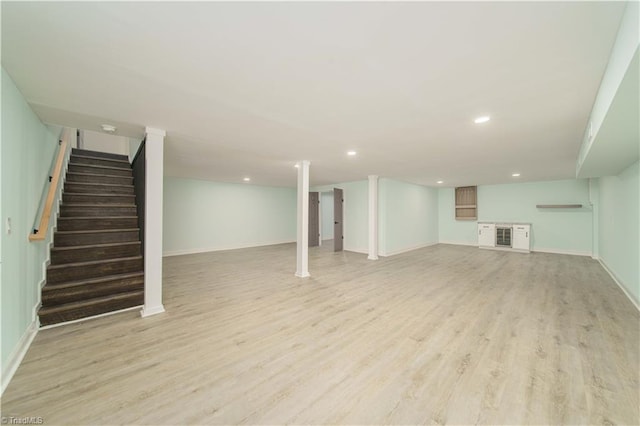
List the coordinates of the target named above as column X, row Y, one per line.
column 74, row 224
column 80, row 188
column 69, row 240
column 93, row 199
column 83, row 168
column 52, row 296
column 74, row 273
column 87, row 254
column 74, row 314
column 88, row 153
column 116, row 180
column 70, row 211
column 99, row 162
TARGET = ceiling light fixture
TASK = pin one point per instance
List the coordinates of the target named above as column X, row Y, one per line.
column 247, row 179
column 516, row 175
column 108, row 128
column 482, row 119
column 351, row 153
column 440, row 182
column 297, row 166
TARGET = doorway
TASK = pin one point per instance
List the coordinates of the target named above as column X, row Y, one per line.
column 325, row 218
column 314, row 219
column 338, row 212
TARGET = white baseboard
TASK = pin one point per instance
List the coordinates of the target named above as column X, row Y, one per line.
column 556, row 251
column 459, row 243
column 622, row 287
column 18, row 354
column 234, row 247
column 106, row 314
column 405, row 250
column 540, row 250
column 361, row 251
column 155, row 310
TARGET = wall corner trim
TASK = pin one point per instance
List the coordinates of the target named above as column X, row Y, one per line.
column 18, row 354
column 155, row 131
column 622, row 287
column 149, row 311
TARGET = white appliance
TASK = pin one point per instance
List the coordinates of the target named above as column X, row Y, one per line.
column 503, row 235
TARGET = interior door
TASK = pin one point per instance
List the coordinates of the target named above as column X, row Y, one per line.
column 314, row 219
column 338, row 236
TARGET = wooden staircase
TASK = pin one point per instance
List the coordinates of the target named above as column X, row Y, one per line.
column 96, row 260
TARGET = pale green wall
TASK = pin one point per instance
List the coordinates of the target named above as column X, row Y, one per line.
column 202, row 216
column 408, row 216
column 624, row 48
column 618, row 230
column 356, row 213
column 560, row 230
column 27, row 150
column 450, row 230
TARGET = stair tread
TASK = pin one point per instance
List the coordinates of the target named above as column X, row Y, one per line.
column 68, row 284
column 91, row 231
column 100, row 158
column 93, row 262
column 89, row 302
column 91, row 194
column 71, row 163
column 96, row 217
column 96, row 205
column 98, row 183
column 95, row 246
column 97, row 174
column 100, row 154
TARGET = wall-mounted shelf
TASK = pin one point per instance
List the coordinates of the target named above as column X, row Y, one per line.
column 559, row 206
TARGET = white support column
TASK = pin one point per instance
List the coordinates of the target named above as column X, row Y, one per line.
column 373, row 217
column 302, row 257
column 154, row 153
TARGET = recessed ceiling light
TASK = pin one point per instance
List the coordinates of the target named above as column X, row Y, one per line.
column 108, row 128
column 516, row 175
column 297, row 166
column 351, row 153
column 247, row 179
column 482, row 119
column 440, row 181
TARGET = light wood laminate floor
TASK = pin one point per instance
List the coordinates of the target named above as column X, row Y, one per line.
column 440, row 335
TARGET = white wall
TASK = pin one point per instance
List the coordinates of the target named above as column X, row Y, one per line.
column 205, row 216
column 408, row 216
column 103, row 142
column 619, row 228
column 134, row 144
column 557, row 230
column 326, row 211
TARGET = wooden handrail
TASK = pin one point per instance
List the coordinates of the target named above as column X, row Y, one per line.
column 51, row 195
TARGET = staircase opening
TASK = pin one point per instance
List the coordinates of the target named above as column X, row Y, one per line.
column 97, row 259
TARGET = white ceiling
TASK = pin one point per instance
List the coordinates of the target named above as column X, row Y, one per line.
column 247, row 89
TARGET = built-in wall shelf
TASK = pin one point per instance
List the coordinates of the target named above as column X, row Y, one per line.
column 559, row 206
column 466, row 203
